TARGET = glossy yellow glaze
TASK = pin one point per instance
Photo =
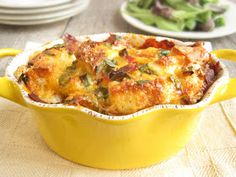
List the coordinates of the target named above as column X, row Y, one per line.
column 8, row 52
column 116, row 144
column 228, row 92
column 11, row 91
column 110, row 144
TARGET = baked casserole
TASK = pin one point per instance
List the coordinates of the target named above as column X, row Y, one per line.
column 119, row 75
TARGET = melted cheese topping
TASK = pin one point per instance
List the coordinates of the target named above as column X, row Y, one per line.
column 118, row 77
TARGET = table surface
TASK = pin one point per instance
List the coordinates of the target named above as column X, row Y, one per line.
column 212, row 151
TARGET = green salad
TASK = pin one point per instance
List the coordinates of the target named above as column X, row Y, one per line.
column 178, row 15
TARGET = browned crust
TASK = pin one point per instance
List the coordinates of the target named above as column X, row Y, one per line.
column 155, row 72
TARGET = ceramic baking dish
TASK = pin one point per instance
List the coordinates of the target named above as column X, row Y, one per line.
column 93, row 139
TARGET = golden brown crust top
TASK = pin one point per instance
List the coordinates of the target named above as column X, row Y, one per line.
column 120, row 75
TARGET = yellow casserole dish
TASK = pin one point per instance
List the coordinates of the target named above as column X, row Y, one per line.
column 115, row 142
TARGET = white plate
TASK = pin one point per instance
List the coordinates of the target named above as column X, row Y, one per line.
column 44, row 16
column 14, row 11
column 30, row 3
column 228, row 29
column 45, row 21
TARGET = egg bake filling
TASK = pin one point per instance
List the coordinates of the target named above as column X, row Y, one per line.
column 120, row 75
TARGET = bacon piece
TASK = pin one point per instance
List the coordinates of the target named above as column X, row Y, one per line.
column 89, row 55
column 164, row 44
column 129, row 68
column 121, row 73
column 165, row 61
column 216, row 67
column 83, row 100
column 118, row 75
column 35, row 98
column 197, row 44
column 105, row 78
column 130, row 59
column 42, row 71
column 188, row 71
column 209, row 75
column 123, row 52
column 71, row 43
column 111, row 39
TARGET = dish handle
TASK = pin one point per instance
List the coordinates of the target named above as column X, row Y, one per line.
column 8, row 89
column 229, row 91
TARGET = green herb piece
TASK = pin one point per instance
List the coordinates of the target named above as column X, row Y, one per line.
column 72, row 67
column 64, row 79
column 188, row 70
column 101, row 93
column 176, row 81
column 23, row 77
column 49, row 52
column 59, row 45
column 111, row 63
column 86, row 80
column 66, row 76
column 164, row 52
column 108, row 44
column 142, row 82
column 123, row 52
column 106, row 66
column 118, row 37
column 100, row 67
column 145, row 69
